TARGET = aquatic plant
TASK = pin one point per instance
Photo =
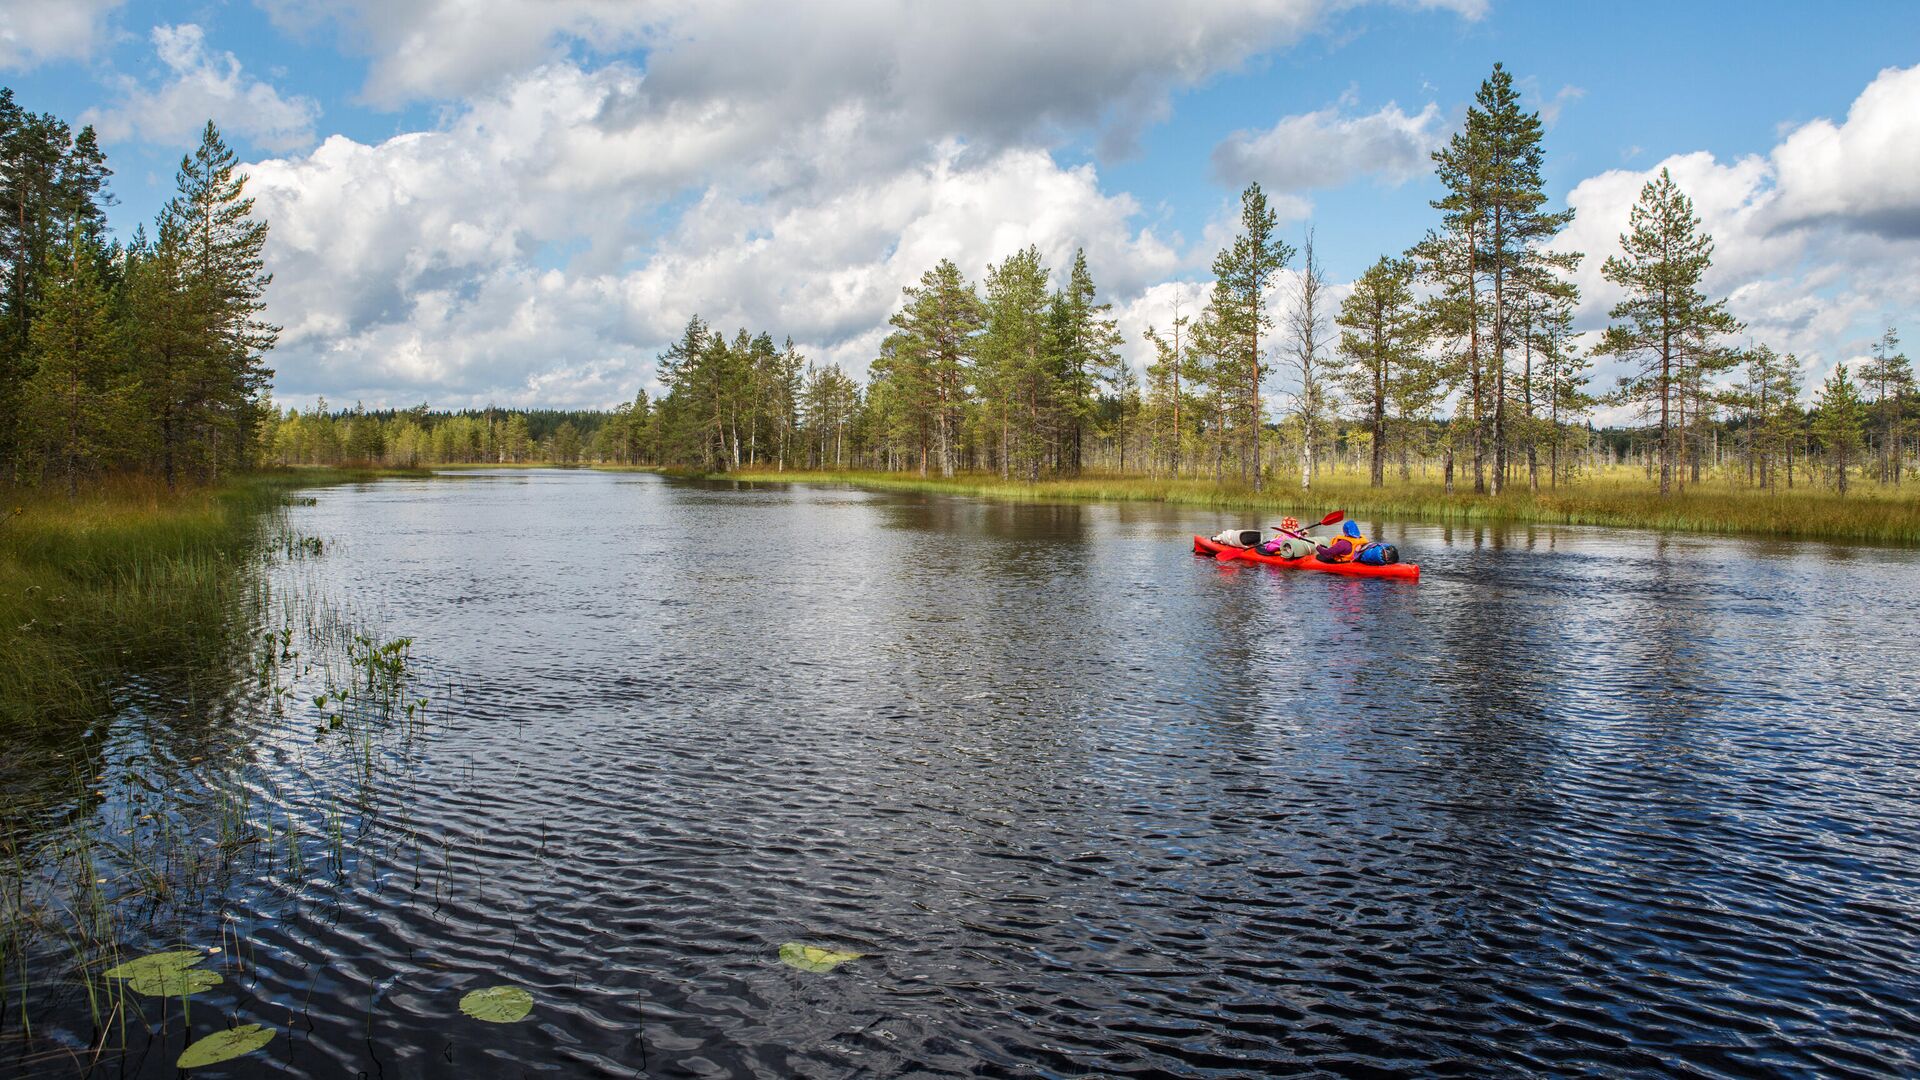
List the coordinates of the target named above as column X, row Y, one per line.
column 814, row 957
column 225, row 1046
column 498, row 1004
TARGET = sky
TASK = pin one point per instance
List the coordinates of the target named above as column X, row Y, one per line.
column 519, row 203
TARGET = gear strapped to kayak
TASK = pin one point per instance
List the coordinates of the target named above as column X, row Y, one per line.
column 1350, row 552
column 1403, row 571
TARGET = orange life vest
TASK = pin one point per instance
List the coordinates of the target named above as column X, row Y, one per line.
column 1328, row 552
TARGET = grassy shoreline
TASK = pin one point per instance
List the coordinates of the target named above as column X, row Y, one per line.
column 129, row 575
column 1615, row 500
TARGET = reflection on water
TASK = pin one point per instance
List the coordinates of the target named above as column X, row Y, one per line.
column 1580, row 801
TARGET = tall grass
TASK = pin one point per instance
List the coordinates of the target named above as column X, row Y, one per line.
column 1619, row 497
column 128, row 575
column 141, row 656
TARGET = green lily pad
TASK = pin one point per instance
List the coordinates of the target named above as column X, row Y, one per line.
column 177, row 982
column 498, row 1004
column 158, row 963
column 225, row 1046
column 813, row 957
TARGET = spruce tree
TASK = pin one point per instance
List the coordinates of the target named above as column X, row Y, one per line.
column 934, row 351
column 68, row 410
column 1838, row 422
column 210, row 248
column 1306, row 343
column 1169, row 389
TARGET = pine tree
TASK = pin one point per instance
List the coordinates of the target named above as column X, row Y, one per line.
column 1509, row 157
column 566, row 444
column 1890, row 377
column 1770, row 395
column 1666, row 325
column 1381, row 324
column 1237, row 316
column 1838, row 422
column 1449, row 260
column 1566, row 372
column 1452, row 316
column 52, row 184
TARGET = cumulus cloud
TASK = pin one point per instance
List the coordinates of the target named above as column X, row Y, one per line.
column 791, row 172
column 428, row 265
column 1327, row 148
column 1812, row 246
column 992, row 71
column 202, row 84
column 1864, row 173
column 1816, row 241
column 34, row 31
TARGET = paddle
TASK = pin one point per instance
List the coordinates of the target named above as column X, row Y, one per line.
column 1334, row 518
column 1229, row 554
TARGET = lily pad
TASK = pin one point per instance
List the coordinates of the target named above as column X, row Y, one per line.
column 161, row 962
column 498, row 1004
column 177, row 982
column 225, row 1046
column 813, row 957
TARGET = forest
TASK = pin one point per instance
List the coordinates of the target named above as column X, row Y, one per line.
column 146, row 356
column 1455, row 359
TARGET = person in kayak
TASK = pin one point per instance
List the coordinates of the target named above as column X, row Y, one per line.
column 1344, row 547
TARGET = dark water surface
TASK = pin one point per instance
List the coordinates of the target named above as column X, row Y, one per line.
column 1581, row 801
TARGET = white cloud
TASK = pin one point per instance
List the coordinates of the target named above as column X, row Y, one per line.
column 1817, row 243
column 34, row 31
column 202, row 84
column 991, row 71
column 790, row 172
column 1865, row 173
column 428, row 265
column 1325, row 149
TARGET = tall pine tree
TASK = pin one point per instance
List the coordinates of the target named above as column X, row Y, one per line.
column 1237, row 318
column 1666, row 326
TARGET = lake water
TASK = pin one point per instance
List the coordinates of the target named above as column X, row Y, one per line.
column 1580, row 801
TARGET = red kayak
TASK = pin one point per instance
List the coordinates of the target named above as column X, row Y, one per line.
column 1403, row 571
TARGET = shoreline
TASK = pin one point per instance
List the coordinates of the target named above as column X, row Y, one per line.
column 125, row 574
column 1799, row 515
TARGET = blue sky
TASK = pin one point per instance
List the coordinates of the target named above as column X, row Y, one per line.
column 522, row 208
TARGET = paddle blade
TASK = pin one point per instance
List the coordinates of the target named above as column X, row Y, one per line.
column 1334, row 518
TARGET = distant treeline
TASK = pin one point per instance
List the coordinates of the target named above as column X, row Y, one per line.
column 145, row 356
column 1458, row 353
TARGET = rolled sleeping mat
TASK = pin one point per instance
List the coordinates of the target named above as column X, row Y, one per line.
column 1296, row 548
